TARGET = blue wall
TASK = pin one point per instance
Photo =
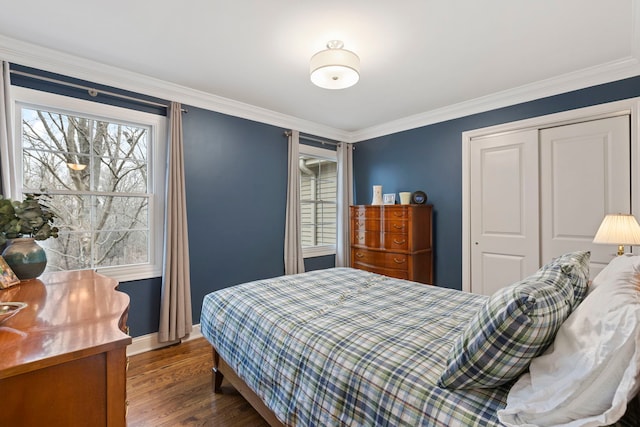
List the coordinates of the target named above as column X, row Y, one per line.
column 144, row 305
column 236, row 185
column 430, row 159
column 236, row 192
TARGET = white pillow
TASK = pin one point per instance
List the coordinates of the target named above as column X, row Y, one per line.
column 590, row 372
column 623, row 264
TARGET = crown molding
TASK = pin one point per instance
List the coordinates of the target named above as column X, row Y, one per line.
column 31, row 55
column 612, row 71
column 604, row 73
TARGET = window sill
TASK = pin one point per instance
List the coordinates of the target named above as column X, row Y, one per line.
column 317, row 251
column 131, row 273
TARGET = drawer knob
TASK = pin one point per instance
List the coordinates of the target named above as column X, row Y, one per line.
column 399, row 242
column 359, row 255
column 398, row 227
column 399, row 260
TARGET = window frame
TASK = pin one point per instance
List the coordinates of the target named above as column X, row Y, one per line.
column 321, row 153
column 30, row 98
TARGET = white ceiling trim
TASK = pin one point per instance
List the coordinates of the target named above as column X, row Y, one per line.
column 31, row 55
column 58, row 62
column 615, row 70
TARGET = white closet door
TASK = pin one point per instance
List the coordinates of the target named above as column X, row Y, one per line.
column 504, row 223
column 585, row 174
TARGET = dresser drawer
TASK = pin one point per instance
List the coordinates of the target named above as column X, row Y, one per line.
column 395, row 241
column 362, row 212
column 380, row 259
column 396, row 212
column 365, row 224
column 366, row 238
column 396, row 226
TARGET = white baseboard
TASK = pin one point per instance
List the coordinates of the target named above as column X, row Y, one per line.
column 150, row 342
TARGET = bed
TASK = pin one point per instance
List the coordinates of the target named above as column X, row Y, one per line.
column 345, row 347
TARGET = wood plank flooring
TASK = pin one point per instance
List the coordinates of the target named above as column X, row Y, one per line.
column 172, row 386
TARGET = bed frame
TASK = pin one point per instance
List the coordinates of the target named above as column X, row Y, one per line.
column 221, row 370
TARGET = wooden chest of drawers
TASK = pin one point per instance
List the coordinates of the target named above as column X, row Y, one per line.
column 63, row 358
column 394, row 240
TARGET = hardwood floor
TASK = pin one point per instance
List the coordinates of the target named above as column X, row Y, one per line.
column 172, row 387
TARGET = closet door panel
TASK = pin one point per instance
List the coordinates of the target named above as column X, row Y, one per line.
column 504, row 210
column 585, row 174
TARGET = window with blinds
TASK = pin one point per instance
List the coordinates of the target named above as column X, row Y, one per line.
column 318, row 191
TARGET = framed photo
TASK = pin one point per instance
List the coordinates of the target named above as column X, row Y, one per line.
column 7, row 277
column 389, row 199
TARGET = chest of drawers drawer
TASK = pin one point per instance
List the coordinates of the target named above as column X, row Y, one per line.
column 395, row 241
column 382, row 259
column 366, row 238
column 365, row 224
column 396, row 226
column 366, row 212
column 396, row 212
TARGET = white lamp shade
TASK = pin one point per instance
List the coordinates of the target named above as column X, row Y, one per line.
column 618, row 229
column 76, row 166
column 335, row 68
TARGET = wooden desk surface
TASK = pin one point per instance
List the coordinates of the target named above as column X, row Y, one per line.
column 69, row 315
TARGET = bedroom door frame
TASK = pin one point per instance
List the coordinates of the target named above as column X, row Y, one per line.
column 629, row 107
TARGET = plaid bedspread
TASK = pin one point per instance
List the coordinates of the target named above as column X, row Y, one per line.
column 344, row 347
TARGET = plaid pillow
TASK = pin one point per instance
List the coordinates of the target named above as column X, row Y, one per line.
column 576, row 266
column 516, row 324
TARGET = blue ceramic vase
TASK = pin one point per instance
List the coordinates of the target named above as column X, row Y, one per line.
column 25, row 257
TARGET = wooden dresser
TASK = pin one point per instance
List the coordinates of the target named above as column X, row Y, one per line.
column 394, row 240
column 63, row 357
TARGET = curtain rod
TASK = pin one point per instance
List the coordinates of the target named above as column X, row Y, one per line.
column 310, row 138
column 93, row 92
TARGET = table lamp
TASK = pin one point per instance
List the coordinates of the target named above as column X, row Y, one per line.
column 618, row 229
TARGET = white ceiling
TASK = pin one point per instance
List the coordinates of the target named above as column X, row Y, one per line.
column 421, row 60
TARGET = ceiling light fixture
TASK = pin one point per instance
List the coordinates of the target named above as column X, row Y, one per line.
column 76, row 166
column 335, row 67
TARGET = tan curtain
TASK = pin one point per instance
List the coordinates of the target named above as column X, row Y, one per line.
column 6, row 133
column 344, row 155
column 175, row 313
column 293, row 259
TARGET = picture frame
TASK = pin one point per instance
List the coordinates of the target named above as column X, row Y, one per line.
column 7, row 277
column 389, row 199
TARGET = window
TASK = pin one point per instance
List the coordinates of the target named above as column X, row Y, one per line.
column 318, row 187
column 102, row 168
